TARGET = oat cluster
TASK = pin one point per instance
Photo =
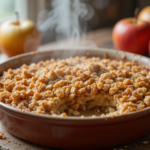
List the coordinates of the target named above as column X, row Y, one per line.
column 66, row 87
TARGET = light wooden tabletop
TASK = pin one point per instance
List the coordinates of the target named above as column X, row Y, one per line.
column 98, row 38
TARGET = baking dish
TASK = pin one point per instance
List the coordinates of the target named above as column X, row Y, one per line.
column 74, row 132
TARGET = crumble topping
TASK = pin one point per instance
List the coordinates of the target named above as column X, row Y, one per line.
column 66, row 87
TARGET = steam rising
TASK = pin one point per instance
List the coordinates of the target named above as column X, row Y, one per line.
column 65, row 21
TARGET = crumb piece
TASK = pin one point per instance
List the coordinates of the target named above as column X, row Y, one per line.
column 76, row 113
column 2, row 136
column 106, row 55
column 63, row 115
column 93, row 116
column 123, row 57
column 103, row 115
column 82, row 116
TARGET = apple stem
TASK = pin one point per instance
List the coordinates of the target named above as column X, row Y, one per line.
column 17, row 16
column 136, row 12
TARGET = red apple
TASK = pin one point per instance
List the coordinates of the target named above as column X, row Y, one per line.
column 144, row 14
column 149, row 47
column 129, row 35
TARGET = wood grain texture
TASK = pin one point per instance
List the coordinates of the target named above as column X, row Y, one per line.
column 98, row 38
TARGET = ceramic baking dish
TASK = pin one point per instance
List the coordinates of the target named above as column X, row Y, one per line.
column 73, row 132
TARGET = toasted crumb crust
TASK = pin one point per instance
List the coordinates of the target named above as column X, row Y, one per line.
column 64, row 87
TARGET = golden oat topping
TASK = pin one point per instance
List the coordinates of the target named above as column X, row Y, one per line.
column 66, row 87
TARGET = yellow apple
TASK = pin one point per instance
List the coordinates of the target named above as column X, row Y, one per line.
column 17, row 37
column 144, row 15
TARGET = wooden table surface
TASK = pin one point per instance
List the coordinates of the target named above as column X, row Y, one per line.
column 98, row 38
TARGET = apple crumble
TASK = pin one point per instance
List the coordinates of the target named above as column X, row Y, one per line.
column 66, row 87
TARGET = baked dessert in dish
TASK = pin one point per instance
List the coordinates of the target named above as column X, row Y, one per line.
column 66, row 87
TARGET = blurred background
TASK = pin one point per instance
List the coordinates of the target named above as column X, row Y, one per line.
column 58, row 19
